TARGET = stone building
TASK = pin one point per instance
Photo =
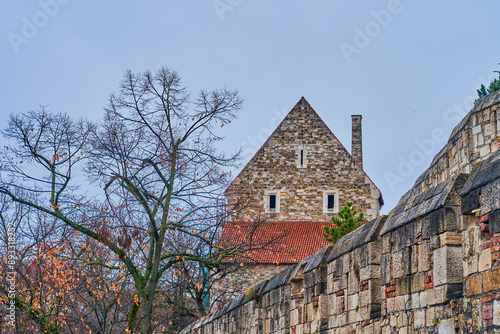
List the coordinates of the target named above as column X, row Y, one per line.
column 290, row 188
column 432, row 265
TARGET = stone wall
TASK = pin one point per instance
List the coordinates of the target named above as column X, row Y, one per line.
column 431, row 266
column 472, row 140
column 241, row 277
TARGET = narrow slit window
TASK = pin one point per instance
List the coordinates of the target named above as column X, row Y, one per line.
column 272, row 202
column 301, row 156
column 331, row 202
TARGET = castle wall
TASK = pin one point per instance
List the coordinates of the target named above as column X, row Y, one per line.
column 431, row 266
column 474, row 139
column 245, row 277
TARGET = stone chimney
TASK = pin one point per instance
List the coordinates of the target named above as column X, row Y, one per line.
column 357, row 145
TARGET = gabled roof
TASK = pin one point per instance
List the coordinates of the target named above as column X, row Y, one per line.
column 274, row 242
column 303, row 103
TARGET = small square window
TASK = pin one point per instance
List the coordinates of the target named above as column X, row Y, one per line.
column 272, row 202
column 331, row 201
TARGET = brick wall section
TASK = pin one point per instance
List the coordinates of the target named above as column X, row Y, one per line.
column 329, row 167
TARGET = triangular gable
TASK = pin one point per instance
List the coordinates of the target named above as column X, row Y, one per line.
column 300, row 106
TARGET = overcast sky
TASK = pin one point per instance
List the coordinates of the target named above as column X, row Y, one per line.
column 411, row 68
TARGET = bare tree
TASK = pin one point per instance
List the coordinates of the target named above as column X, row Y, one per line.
column 154, row 157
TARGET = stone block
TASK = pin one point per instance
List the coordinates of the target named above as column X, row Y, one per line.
column 386, row 243
column 353, row 316
column 471, row 265
column 402, row 320
column 424, row 263
column 451, row 238
column 419, row 318
column 415, row 300
column 400, row 303
column 402, row 285
column 496, row 312
column 417, row 282
column 430, row 319
column 341, row 283
column 332, row 268
column 439, row 295
column 414, row 259
column 434, row 242
column 491, row 280
column 393, row 320
column 451, row 220
column 368, row 329
column 494, row 222
column 373, row 252
column 472, row 285
column 329, row 285
column 446, row 326
column 490, row 197
column 346, row 263
column 365, row 297
column 484, row 151
column 385, row 268
column 294, row 317
column 323, row 306
column 403, row 237
column 470, row 201
column 489, row 129
column 368, row 272
column 391, row 305
column 431, row 297
column 448, row 265
column 353, row 302
column 353, row 282
column 485, row 260
column 374, row 288
column 432, row 223
column 400, row 263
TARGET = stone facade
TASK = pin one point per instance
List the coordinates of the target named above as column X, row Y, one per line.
column 431, row 266
column 301, row 163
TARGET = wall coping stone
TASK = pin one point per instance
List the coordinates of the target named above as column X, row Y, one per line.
column 480, row 104
column 487, row 172
column 313, row 261
column 412, row 207
column 277, row 280
column 357, row 238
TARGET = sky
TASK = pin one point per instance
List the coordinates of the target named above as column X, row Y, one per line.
column 410, row 68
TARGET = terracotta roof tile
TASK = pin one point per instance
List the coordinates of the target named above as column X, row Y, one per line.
column 274, row 242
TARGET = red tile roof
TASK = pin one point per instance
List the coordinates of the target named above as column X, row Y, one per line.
column 274, row 242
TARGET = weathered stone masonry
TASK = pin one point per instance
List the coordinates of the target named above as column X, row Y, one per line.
column 431, row 266
column 299, row 162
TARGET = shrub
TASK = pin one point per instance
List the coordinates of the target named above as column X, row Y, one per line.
column 346, row 222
